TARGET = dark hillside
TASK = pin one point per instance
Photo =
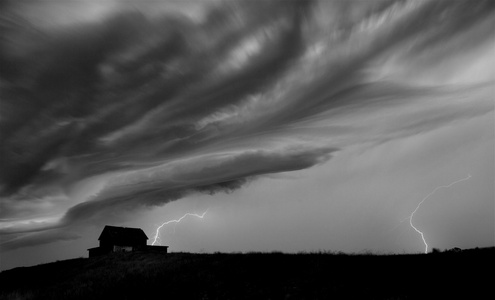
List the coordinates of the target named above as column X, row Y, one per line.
column 445, row 275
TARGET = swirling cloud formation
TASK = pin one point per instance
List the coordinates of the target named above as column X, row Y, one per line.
column 111, row 106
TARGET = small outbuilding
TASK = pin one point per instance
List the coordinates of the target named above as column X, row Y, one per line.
column 122, row 239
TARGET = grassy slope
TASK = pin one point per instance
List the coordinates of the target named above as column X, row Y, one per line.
column 255, row 276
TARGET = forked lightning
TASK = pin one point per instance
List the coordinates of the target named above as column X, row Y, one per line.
column 426, row 198
column 157, row 233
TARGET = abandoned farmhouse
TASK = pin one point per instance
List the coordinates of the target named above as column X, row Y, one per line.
column 123, row 239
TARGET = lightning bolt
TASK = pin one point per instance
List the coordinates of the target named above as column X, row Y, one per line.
column 426, row 198
column 157, row 233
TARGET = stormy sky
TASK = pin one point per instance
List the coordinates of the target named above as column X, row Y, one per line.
column 300, row 125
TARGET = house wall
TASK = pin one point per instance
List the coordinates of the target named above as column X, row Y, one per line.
column 114, row 248
column 122, row 248
column 105, row 244
column 93, row 252
column 109, row 243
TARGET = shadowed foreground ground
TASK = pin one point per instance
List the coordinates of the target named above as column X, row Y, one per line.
column 446, row 275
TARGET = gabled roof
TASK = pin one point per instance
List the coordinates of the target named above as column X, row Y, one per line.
column 122, row 233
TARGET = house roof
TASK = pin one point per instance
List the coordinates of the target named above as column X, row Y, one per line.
column 122, row 233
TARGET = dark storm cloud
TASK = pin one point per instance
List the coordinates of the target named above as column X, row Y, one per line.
column 218, row 174
column 209, row 175
column 84, row 82
column 161, row 106
column 36, row 238
column 160, row 185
